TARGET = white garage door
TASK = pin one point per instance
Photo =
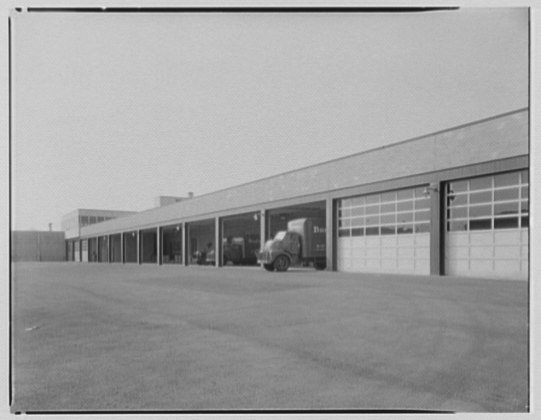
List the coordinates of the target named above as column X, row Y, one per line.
column 386, row 233
column 487, row 226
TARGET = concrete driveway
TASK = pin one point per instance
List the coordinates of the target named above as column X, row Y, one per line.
column 91, row 337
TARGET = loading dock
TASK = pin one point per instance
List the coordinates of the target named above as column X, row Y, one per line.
column 115, row 248
column 201, row 239
column 130, row 247
column 171, row 244
column 241, row 239
column 148, row 246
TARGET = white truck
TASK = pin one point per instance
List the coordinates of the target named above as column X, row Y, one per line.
column 303, row 243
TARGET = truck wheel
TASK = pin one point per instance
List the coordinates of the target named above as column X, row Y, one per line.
column 268, row 267
column 320, row 265
column 281, row 263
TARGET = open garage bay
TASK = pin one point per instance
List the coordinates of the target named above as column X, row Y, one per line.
column 90, row 337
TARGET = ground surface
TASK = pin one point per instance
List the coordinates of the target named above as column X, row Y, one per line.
column 110, row 337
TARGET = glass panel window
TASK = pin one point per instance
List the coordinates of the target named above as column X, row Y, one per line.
column 388, row 196
column 505, row 208
column 388, row 219
column 372, row 209
column 357, row 221
column 480, row 211
column 503, row 180
column 92, row 220
column 422, row 227
column 388, row 230
column 372, row 220
column 458, row 200
column 357, row 232
column 372, row 231
column 506, row 194
column 481, row 224
column 404, row 217
column 480, row 183
column 357, row 211
column 407, row 228
column 458, row 186
column 506, row 223
column 422, row 216
column 357, row 201
column 388, row 208
column 344, row 223
column 372, row 199
column 524, row 192
column 423, row 203
column 457, row 225
column 524, row 205
column 524, row 222
column 458, row 212
column 343, row 232
column 404, row 194
column 346, row 202
column 481, row 197
column 405, row 205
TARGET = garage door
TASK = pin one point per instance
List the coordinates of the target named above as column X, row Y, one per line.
column 386, row 232
column 487, row 226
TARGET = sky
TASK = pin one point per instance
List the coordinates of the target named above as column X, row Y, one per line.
column 112, row 110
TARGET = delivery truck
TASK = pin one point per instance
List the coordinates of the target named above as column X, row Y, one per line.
column 303, row 243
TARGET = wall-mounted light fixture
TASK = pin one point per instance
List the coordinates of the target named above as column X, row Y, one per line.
column 433, row 187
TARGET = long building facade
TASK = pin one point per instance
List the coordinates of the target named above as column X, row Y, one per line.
column 455, row 202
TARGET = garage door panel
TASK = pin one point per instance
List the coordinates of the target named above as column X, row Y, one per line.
column 481, row 266
column 406, row 253
column 506, row 252
column 394, row 250
column 484, row 234
column 388, row 252
column 406, row 241
column 406, row 264
column 422, row 240
column 481, row 238
column 507, row 266
column 481, row 252
column 507, row 237
column 422, row 265
column 458, row 252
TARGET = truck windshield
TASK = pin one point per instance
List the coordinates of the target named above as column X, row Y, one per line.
column 280, row 235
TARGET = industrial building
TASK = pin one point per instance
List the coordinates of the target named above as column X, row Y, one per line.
column 455, row 202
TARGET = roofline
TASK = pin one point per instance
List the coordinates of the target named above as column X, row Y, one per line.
column 370, row 150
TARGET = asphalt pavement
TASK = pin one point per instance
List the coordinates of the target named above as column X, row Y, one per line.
column 110, row 337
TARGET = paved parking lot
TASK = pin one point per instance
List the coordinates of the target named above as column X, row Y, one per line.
column 109, row 337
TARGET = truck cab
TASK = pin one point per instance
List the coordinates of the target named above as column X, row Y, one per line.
column 303, row 243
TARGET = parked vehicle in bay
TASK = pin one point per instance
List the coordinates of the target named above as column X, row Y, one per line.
column 303, row 243
column 240, row 249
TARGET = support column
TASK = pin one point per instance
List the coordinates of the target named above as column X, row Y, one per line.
column 158, row 246
column 122, row 248
column 184, row 242
column 139, row 246
column 330, row 234
column 262, row 229
column 436, row 248
column 217, row 242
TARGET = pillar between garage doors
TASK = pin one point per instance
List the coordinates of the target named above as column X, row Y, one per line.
column 436, row 248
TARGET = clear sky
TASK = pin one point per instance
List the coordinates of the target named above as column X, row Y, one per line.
column 112, row 110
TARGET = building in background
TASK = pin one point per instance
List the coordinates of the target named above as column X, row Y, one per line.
column 455, row 202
